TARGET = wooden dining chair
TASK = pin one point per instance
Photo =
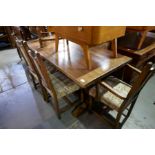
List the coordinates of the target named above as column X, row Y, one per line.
column 57, row 85
column 32, row 71
column 44, row 35
column 114, row 99
column 29, row 63
column 41, row 33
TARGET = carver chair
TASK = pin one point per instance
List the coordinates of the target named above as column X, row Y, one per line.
column 56, row 85
column 113, row 99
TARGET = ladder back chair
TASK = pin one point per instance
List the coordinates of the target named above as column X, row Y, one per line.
column 41, row 33
column 114, row 99
column 32, row 71
column 30, row 66
column 57, row 85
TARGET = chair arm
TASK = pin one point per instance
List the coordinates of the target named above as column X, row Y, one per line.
column 134, row 69
column 107, row 86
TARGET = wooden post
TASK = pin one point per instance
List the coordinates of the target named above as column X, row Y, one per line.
column 87, row 56
column 114, row 47
column 143, row 35
column 56, row 42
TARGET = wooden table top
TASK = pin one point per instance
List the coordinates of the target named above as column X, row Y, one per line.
column 70, row 61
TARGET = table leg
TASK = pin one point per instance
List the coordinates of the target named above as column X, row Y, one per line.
column 142, row 39
column 114, row 47
column 41, row 43
column 56, row 42
column 87, row 55
column 67, row 42
column 81, row 108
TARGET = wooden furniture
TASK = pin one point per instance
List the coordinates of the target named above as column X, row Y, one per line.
column 127, row 45
column 57, row 85
column 50, row 29
column 19, row 33
column 32, row 71
column 18, row 44
column 113, row 94
column 87, row 36
column 41, row 33
column 5, row 37
column 72, row 64
column 143, row 30
column 30, row 66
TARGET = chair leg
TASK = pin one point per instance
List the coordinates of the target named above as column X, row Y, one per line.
column 44, row 93
column 67, row 42
column 19, row 53
column 56, row 107
column 34, row 82
column 90, row 104
column 130, row 109
column 117, row 123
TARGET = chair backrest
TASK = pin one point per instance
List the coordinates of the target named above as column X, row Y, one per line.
column 40, row 30
column 139, row 83
column 17, row 32
column 37, row 30
column 22, row 46
column 25, row 33
column 42, row 70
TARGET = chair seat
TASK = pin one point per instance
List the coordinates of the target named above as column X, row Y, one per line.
column 63, row 85
column 109, row 98
column 50, row 67
column 112, row 100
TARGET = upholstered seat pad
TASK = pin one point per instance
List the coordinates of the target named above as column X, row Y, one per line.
column 112, row 100
column 63, row 85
